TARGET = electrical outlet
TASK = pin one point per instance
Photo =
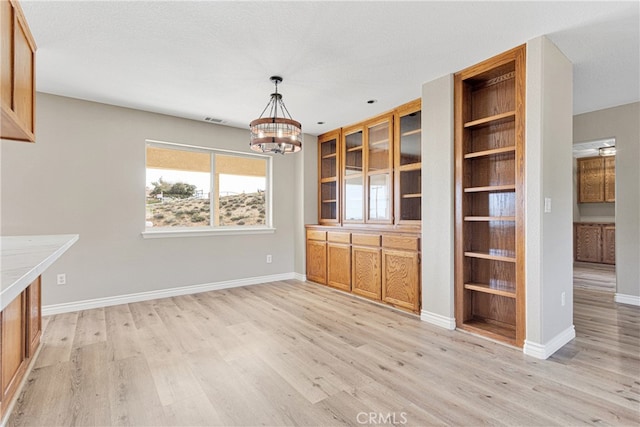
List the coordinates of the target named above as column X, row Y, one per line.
column 62, row 279
column 563, row 300
column 269, row 259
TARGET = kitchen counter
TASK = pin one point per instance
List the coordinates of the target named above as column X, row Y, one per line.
column 24, row 258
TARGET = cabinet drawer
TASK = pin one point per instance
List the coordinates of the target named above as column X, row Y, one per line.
column 316, row 235
column 365, row 239
column 409, row 243
column 339, row 237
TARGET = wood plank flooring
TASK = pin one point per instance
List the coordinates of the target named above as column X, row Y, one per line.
column 597, row 277
column 293, row 353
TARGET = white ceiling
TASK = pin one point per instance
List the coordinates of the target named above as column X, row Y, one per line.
column 591, row 148
column 213, row 59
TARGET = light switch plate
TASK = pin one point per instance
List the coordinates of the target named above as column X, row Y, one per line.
column 547, row 204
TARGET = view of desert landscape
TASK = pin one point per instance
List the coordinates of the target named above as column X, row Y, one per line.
column 234, row 210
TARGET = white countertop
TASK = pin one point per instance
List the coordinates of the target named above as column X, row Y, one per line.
column 24, row 258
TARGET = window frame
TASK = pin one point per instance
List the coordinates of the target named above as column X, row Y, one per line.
column 213, row 230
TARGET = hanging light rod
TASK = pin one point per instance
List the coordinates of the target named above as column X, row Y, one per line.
column 273, row 134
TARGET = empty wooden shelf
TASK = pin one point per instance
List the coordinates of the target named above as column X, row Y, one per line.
column 489, row 176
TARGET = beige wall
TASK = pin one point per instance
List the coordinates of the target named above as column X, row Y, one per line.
column 86, row 174
column 548, row 174
column 438, row 202
column 621, row 123
column 306, row 188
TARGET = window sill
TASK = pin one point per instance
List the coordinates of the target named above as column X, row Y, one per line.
column 162, row 234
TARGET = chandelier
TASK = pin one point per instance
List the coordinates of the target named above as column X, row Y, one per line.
column 275, row 134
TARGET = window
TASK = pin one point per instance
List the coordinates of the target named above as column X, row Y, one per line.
column 191, row 190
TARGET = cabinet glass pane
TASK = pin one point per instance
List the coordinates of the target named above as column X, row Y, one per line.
column 379, row 147
column 328, row 163
column 410, row 195
column 328, row 201
column 353, row 153
column 353, row 196
column 410, row 132
column 379, row 192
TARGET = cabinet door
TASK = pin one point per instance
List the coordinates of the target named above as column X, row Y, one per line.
column 610, row 179
column 17, row 55
column 353, row 172
column 591, row 180
column 23, row 88
column 6, row 55
column 609, row 244
column 339, row 266
column 366, row 272
column 317, row 261
column 408, row 163
column 588, row 242
column 34, row 317
column 13, row 347
column 328, row 166
column 379, row 163
column 401, row 279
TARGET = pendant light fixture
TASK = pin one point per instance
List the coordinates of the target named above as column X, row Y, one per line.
column 276, row 134
column 607, row 151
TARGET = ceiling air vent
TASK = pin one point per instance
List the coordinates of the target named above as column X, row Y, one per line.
column 213, row 120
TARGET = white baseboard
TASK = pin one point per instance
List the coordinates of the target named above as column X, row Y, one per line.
column 438, row 320
column 543, row 351
column 301, row 277
column 627, row 299
column 161, row 293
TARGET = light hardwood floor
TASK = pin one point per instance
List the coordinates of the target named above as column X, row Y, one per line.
column 597, row 277
column 293, row 353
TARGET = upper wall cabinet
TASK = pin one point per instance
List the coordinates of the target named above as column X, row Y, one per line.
column 369, row 173
column 17, row 62
column 597, row 179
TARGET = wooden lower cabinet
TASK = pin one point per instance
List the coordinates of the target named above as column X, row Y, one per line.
column 317, row 261
column 20, row 330
column 588, row 242
column 383, row 266
column 401, row 271
column 594, row 242
column 609, row 244
column 366, row 269
column 339, row 266
column 400, row 278
column 14, row 359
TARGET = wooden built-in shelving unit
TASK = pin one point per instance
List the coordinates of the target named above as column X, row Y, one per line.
column 489, row 176
column 369, row 209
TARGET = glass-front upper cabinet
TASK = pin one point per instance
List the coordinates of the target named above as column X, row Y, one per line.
column 408, row 163
column 353, row 154
column 329, row 186
column 379, row 162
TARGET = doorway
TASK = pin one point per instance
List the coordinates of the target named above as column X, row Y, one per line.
column 594, row 215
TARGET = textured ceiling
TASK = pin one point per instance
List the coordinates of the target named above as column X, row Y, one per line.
column 213, row 59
